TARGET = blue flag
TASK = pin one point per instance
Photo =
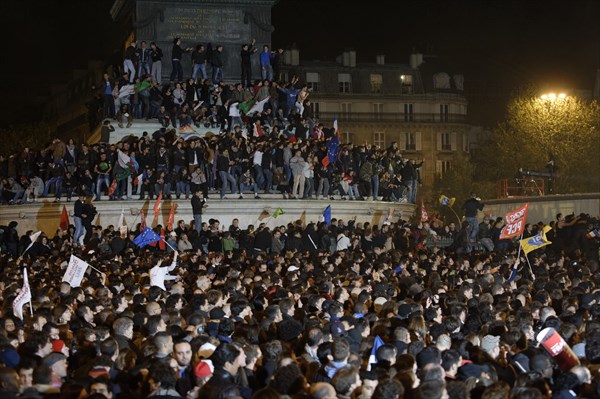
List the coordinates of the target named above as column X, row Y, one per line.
column 376, row 345
column 333, row 147
column 147, row 236
column 327, row 215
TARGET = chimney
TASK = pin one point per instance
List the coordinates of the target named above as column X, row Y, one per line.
column 380, row 59
column 295, row 57
column 346, row 58
column 415, row 60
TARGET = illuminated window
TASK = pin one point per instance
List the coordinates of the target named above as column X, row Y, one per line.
column 407, row 84
column 376, row 82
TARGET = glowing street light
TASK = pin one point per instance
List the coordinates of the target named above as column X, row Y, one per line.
column 553, row 96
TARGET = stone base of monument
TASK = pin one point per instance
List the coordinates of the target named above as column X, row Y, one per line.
column 45, row 214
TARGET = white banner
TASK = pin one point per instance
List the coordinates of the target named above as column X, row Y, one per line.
column 23, row 297
column 75, row 271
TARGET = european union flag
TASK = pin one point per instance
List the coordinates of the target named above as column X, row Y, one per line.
column 327, row 215
column 147, row 236
column 333, row 148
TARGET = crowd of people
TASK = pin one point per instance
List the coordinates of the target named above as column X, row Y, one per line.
column 345, row 310
column 228, row 163
column 321, row 311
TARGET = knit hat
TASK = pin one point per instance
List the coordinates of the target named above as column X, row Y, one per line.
column 203, row 369
column 489, row 343
column 53, row 358
column 10, row 357
column 58, row 345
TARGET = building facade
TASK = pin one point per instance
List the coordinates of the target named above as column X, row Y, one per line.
column 417, row 105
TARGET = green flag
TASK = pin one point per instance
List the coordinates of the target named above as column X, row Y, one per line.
column 278, row 212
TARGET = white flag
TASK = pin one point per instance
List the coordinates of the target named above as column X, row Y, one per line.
column 23, row 297
column 33, row 239
column 121, row 219
column 75, row 271
column 257, row 107
column 123, row 159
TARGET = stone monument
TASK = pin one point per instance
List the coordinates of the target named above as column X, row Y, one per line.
column 229, row 23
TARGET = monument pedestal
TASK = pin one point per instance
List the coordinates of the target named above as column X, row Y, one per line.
column 229, row 23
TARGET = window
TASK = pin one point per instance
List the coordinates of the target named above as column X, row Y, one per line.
column 442, row 167
column 408, row 113
column 444, row 112
column 465, row 141
column 284, row 77
column 316, row 109
column 379, row 139
column 446, row 141
column 410, row 141
column 346, row 137
column 376, row 82
column 312, row 80
column 345, row 82
column 407, row 84
column 378, row 111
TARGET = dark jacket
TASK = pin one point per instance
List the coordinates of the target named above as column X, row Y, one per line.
column 197, row 205
column 220, row 382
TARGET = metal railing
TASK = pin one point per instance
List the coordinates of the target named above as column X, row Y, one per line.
column 511, row 188
column 392, row 117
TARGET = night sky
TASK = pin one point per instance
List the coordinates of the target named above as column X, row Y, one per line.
column 500, row 46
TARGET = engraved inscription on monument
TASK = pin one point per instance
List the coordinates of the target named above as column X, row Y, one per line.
column 215, row 25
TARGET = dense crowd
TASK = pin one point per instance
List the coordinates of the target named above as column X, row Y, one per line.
column 165, row 162
column 341, row 310
column 295, row 311
column 267, row 138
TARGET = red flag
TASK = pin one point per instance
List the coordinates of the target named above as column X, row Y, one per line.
column 112, row 188
column 515, row 222
column 171, row 220
column 161, row 243
column 143, row 220
column 157, row 205
column 325, row 161
column 64, row 219
column 424, row 214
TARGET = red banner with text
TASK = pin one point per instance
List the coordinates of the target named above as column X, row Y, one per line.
column 515, row 222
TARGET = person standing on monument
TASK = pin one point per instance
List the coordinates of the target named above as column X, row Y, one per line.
column 247, row 50
column 143, row 55
column 130, row 60
column 199, row 60
column 176, row 56
column 265, row 63
column 156, row 57
column 217, row 65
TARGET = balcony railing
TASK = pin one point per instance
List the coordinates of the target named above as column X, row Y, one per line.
column 392, row 117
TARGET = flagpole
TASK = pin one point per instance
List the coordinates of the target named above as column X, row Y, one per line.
column 519, row 253
column 530, row 269
column 170, row 246
column 455, row 214
column 31, row 307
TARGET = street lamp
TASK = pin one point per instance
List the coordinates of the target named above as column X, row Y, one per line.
column 553, row 96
